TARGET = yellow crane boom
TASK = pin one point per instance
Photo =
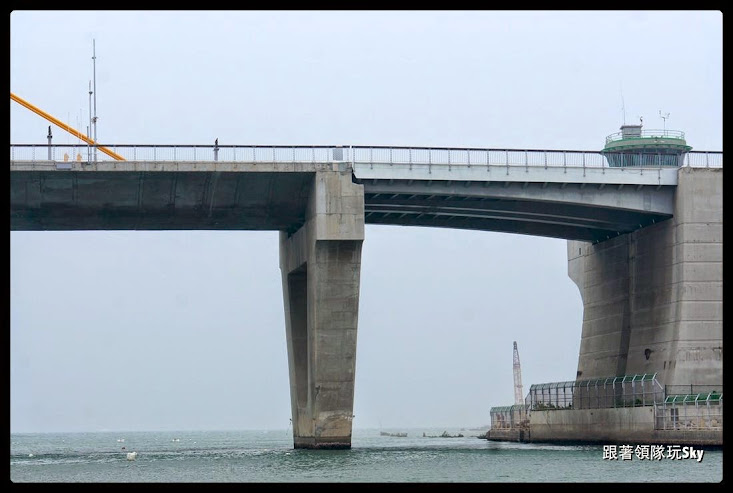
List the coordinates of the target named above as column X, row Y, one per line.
column 64, row 126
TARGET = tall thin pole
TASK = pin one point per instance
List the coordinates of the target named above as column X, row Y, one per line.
column 94, row 120
column 623, row 105
column 89, row 149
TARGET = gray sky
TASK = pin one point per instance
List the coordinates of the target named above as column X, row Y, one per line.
column 185, row 330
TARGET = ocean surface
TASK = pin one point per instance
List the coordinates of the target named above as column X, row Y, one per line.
column 268, row 456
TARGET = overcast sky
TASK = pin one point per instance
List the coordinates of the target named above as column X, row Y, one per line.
column 185, row 330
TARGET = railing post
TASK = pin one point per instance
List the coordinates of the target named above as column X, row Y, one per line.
column 707, row 160
column 468, row 157
column 155, row 156
column 564, row 162
column 314, row 153
column 410, row 153
column 390, row 157
column 194, row 153
column 273, row 154
column 134, row 153
column 449, row 163
column 430, row 161
column 33, row 153
column 545, row 153
column 293, row 153
column 526, row 162
column 174, row 153
column 506, row 154
column 584, row 164
column 371, row 158
column 49, row 143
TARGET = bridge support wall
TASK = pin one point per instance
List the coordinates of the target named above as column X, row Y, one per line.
column 631, row 425
column 320, row 265
column 653, row 299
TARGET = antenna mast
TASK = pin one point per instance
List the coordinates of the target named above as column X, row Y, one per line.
column 664, row 117
column 94, row 120
column 89, row 149
column 518, row 393
column 623, row 106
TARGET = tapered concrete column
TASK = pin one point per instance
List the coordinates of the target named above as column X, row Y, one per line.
column 320, row 265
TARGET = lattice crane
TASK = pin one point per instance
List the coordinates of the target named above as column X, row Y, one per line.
column 518, row 393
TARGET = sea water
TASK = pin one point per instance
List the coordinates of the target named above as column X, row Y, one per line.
column 269, row 456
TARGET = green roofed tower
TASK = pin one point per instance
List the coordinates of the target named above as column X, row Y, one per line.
column 634, row 147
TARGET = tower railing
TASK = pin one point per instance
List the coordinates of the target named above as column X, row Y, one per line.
column 648, row 134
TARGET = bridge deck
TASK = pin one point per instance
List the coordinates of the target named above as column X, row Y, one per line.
column 562, row 194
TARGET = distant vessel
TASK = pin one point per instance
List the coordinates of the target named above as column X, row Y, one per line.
column 385, row 434
column 445, row 434
column 131, row 455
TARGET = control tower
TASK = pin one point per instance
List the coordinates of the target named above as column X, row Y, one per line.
column 634, row 147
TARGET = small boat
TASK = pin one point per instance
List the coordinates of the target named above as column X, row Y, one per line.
column 385, row 434
column 131, row 455
column 445, row 434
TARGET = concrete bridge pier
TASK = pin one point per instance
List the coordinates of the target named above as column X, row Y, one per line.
column 653, row 298
column 320, row 265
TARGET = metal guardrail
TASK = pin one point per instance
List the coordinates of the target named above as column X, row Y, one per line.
column 598, row 393
column 690, row 412
column 509, row 417
column 648, row 134
column 38, row 153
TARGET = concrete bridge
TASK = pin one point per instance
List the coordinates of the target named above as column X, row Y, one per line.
column 645, row 243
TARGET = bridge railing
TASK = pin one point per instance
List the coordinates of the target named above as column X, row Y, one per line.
column 381, row 155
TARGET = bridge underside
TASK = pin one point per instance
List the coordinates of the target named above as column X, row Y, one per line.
column 276, row 200
column 535, row 218
column 567, row 213
column 196, row 200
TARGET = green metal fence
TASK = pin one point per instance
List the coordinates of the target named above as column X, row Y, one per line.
column 509, row 417
column 623, row 391
column 690, row 412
